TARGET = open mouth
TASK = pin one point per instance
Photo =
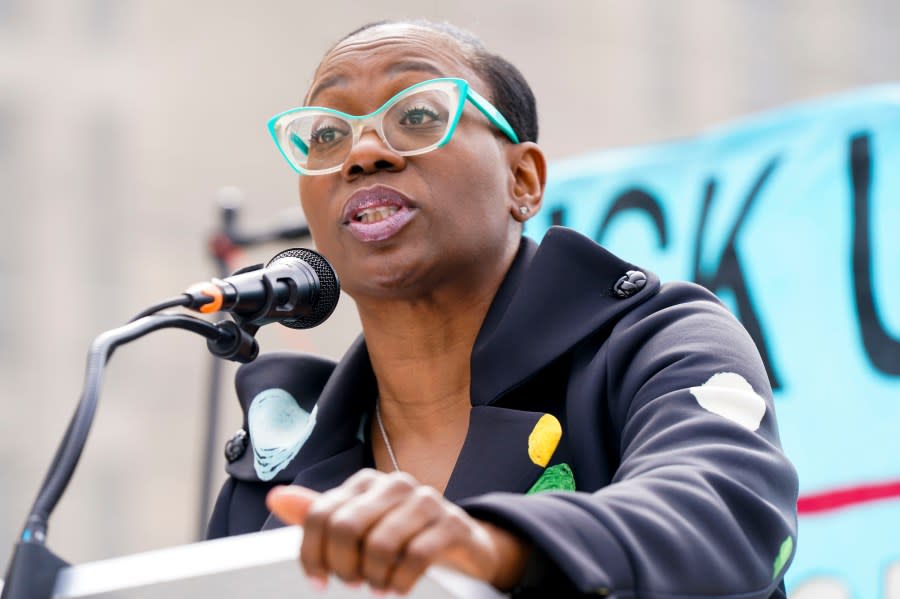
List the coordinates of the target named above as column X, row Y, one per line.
column 368, row 216
column 377, row 213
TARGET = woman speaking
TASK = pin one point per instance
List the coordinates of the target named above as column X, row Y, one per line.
column 548, row 418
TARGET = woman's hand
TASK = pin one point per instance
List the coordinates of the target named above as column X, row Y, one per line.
column 387, row 529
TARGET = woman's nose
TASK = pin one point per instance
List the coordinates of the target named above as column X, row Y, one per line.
column 371, row 154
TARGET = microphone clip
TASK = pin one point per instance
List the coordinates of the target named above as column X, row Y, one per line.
column 237, row 342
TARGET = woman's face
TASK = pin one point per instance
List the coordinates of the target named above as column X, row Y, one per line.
column 403, row 227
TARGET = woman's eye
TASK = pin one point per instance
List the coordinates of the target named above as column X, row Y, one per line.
column 419, row 116
column 327, row 132
column 325, row 135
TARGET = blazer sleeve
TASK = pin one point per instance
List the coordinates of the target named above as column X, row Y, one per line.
column 703, row 502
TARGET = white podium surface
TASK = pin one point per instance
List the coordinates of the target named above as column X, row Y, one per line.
column 261, row 565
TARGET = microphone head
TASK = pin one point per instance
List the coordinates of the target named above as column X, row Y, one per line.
column 329, row 288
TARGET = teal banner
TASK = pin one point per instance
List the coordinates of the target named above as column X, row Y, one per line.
column 793, row 219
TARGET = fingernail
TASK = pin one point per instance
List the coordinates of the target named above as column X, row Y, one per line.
column 318, row 584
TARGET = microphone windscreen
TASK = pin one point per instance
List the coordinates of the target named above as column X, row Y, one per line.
column 329, row 288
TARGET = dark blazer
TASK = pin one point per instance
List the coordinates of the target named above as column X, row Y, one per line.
column 625, row 428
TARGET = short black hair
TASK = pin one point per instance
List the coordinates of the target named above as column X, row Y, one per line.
column 508, row 90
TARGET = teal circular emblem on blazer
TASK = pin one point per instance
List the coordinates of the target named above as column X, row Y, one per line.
column 278, row 429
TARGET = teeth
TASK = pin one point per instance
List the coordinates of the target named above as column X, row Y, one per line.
column 373, row 215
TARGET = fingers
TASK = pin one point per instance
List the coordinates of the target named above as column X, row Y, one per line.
column 290, row 504
column 350, row 524
column 447, row 536
column 384, row 529
column 384, row 548
column 314, row 550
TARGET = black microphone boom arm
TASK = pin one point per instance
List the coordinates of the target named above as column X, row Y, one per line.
column 33, row 568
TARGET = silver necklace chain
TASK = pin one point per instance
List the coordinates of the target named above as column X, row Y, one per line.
column 387, row 442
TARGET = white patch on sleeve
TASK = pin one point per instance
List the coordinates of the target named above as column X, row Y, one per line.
column 278, row 429
column 729, row 395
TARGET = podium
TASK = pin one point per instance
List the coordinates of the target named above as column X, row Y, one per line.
column 261, row 565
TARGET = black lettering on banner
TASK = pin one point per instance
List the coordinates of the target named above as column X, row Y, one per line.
column 637, row 199
column 558, row 217
column 881, row 348
column 729, row 273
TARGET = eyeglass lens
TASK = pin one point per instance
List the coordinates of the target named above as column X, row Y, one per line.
column 319, row 140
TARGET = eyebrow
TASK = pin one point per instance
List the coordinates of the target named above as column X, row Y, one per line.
column 405, row 67
column 394, row 69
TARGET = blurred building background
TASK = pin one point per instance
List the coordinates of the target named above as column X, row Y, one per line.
column 120, row 120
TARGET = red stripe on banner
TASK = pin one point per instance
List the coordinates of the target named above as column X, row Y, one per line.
column 840, row 498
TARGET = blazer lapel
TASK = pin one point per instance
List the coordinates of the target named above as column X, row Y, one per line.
column 554, row 296
column 335, row 450
column 505, row 450
column 342, row 405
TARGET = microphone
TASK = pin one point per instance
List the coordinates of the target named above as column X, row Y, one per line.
column 297, row 288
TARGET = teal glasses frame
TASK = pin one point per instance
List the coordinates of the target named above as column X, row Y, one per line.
column 279, row 125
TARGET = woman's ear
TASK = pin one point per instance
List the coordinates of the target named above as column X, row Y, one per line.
column 528, row 175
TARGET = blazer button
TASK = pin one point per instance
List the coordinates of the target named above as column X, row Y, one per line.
column 236, row 446
column 631, row 283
